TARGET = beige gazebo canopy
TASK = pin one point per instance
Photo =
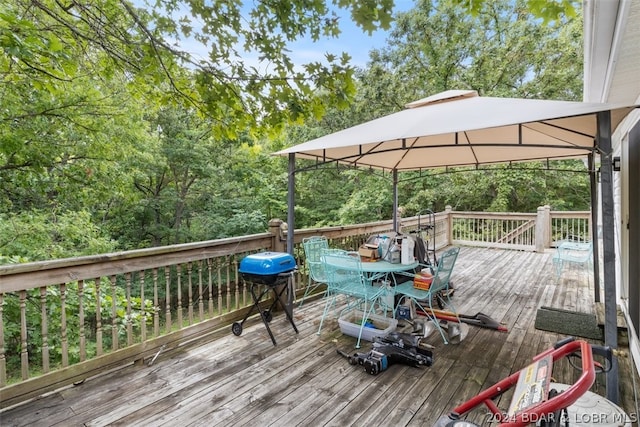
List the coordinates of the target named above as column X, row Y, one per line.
column 458, row 128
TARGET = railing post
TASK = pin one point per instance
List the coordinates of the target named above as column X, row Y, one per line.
column 547, row 228
column 448, row 210
column 276, row 227
column 543, row 232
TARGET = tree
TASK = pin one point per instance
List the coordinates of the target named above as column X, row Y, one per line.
column 502, row 50
column 548, row 10
column 247, row 80
column 87, row 88
column 182, row 152
column 79, row 79
column 38, row 235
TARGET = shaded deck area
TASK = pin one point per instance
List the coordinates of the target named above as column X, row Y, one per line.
column 223, row 380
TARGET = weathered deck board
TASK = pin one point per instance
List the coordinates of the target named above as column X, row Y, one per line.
column 246, row 381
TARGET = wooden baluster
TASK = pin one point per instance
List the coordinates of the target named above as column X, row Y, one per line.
column 190, row 294
column 143, row 312
column 129, row 320
column 44, row 329
column 156, row 307
column 167, row 298
column 98, row 317
column 83, row 343
column 210, row 287
column 485, row 235
column 475, row 227
column 491, row 224
column 3, row 357
column 229, row 306
column 486, row 226
column 179, row 274
column 23, row 335
column 63, row 325
column 219, row 286
column 114, row 315
column 200, row 296
column 510, row 225
column 238, row 285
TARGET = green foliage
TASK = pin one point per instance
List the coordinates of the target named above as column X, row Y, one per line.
column 519, row 188
column 548, row 10
column 106, row 117
column 501, row 51
column 86, row 86
column 246, row 79
column 40, row 235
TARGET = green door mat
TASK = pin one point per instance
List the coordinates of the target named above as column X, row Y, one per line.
column 568, row 323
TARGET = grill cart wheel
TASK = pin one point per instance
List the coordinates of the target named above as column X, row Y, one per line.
column 236, row 328
column 267, row 315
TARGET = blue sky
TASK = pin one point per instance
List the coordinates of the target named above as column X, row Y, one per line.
column 353, row 40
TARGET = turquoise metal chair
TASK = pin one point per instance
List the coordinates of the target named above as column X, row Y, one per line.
column 345, row 277
column 424, row 299
column 572, row 252
column 313, row 247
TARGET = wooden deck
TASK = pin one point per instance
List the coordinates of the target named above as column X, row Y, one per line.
column 224, row 380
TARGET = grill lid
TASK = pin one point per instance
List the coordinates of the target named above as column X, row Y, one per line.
column 267, row 263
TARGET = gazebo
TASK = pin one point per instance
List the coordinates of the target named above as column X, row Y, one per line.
column 460, row 128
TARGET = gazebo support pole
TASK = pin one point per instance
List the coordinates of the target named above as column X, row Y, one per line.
column 291, row 193
column 609, row 255
column 594, row 227
column 396, row 225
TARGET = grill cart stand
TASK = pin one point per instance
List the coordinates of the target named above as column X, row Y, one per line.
column 267, row 272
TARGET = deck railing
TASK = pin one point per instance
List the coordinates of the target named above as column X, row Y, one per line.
column 62, row 321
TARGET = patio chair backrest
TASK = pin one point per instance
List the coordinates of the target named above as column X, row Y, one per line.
column 313, row 247
column 344, row 271
column 444, row 269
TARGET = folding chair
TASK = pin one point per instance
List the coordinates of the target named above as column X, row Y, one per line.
column 313, row 247
column 572, row 252
column 345, row 277
column 423, row 299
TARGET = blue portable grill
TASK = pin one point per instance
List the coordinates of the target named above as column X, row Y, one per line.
column 264, row 272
